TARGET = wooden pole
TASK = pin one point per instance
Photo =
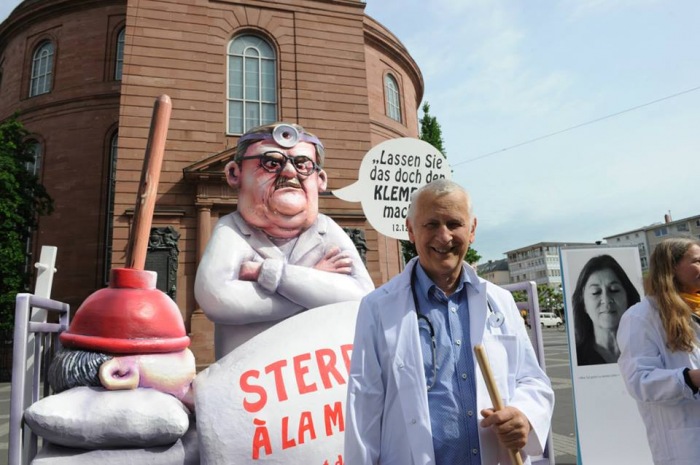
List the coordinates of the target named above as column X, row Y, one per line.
column 485, row 367
column 148, row 187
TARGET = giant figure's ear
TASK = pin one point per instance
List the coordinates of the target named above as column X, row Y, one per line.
column 322, row 181
column 119, row 373
column 233, row 174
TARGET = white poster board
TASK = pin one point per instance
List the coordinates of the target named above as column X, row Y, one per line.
column 609, row 427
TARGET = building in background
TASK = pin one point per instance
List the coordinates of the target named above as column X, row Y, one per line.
column 83, row 76
column 538, row 262
column 646, row 238
column 636, row 238
column 495, row 271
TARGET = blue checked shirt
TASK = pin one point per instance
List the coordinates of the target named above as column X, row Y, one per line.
column 452, row 399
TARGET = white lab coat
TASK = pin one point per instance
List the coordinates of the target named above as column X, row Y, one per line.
column 654, row 377
column 387, row 418
column 287, row 285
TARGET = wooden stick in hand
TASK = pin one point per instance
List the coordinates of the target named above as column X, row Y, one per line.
column 485, row 367
column 148, row 188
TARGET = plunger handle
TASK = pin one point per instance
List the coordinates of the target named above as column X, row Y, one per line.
column 491, row 386
column 148, row 187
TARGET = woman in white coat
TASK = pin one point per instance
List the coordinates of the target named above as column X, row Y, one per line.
column 659, row 340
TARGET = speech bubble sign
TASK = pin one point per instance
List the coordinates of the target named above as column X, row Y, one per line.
column 390, row 172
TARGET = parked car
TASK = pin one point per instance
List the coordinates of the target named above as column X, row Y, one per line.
column 549, row 320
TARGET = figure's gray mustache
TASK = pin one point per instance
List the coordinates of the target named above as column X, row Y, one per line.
column 287, row 182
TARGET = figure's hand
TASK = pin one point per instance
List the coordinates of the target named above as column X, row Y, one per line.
column 249, row 271
column 335, row 261
column 510, row 425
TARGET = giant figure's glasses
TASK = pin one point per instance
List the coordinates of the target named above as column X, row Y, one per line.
column 274, row 162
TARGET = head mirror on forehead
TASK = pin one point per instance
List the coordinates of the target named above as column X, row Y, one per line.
column 284, row 135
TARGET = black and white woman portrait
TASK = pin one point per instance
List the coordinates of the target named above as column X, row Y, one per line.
column 603, row 293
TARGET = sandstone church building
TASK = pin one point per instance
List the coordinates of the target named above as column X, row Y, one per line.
column 83, row 75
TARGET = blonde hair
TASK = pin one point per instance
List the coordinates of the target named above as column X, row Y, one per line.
column 661, row 283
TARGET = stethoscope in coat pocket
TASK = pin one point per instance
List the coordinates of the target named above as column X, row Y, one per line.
column 495, row 320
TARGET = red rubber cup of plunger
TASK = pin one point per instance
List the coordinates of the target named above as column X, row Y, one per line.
column 128, row 278
column 131, row 316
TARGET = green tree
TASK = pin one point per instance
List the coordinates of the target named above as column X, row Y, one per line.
column 431, row 132
column 550, row 299
column 519, row 296
column 22, row 200
column 472, row 256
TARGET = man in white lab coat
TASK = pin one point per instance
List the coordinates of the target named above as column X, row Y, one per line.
column 414, row 393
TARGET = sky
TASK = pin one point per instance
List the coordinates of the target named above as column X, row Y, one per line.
column 525, row 93
column 567, row 120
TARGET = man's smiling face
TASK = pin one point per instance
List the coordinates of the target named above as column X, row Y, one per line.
column 442, row 232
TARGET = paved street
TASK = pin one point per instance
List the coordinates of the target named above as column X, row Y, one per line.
column 556, row 353
column 557, row 360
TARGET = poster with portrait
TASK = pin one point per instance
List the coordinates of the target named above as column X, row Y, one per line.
column 600, row 284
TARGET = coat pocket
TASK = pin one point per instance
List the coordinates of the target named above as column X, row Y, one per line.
column 683, row 443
